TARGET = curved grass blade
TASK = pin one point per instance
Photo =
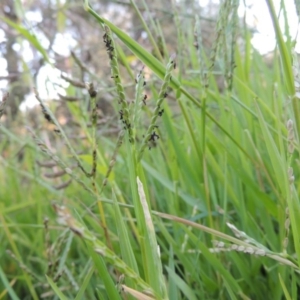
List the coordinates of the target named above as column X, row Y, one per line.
column 7, row 286
column 286, row 62
column 56, row 289
column 29, row 37
column 100, row 266
column 148, row 59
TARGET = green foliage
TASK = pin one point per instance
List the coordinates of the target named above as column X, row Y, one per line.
column 196, row 198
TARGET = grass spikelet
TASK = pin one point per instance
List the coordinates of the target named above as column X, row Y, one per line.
column 140, row 99
column 220, row 34
column 112, row 53
column 296, row 72
column 158, row 111
column 93, row 94
column 291, row 178
column 199, row 47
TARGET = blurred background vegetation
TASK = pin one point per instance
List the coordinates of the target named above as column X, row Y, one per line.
column 62, row 27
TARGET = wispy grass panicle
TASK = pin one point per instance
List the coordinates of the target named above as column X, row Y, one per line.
column 46, row 235
column 82, row 66
column 186, row 236
column 296, row 72
column 291, row 179
column 55, row 174
column 234, row 28
column 140, row 99
column 151, row 135
column 220, row 246
column 244, row 237
column 219, row 40
column 291, row 149
column 23, row 266
column 290, row 137
column 112, row 53
column 199, row 47
column 52, row 119
column 94, row 117
column 287, row 225
column 59, row 161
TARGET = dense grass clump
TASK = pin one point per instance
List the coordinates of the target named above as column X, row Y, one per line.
column 188, row 190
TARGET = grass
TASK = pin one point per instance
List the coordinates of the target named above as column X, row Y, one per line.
column 196, row 197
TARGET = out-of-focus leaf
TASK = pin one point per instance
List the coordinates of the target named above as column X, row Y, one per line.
column 56, row 289
column 28, row 36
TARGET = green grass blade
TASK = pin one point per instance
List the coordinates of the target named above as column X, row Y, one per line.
column 85, row 284
column 100, row 266
column 56, row 289
column 7, row 286
column 286, row 293
column 152, row 248
column 217, row 265
column 172, row 285
column 286, row 60
column 181, row 285
column 28, row 36
column 284, row 52
column 126, row 249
